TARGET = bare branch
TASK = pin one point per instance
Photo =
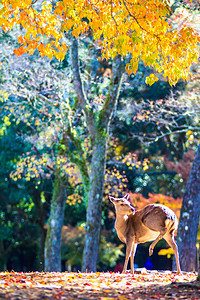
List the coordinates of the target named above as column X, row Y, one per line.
column 78, row 85
column 113, row 93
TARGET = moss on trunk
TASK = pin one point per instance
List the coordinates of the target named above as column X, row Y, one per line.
column 55, row 222
column 94, row 210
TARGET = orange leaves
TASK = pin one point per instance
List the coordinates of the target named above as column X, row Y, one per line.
column 20, row 39
column 14, row 4
column 53, row 50
column 140, row 28
column 68, row 285
column 38, row 24
column 19, row 51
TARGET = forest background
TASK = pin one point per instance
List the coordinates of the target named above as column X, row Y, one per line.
column 47, row 153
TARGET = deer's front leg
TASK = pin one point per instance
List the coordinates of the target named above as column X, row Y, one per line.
column 132, row 257
column 129, row 249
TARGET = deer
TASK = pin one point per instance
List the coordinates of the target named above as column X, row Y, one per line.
column 152, row 223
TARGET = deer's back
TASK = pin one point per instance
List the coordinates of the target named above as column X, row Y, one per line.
column 148, row 222
column 158, row 216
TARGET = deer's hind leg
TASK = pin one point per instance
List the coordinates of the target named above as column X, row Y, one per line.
column 169, row 237
column 161, row 235
column 155, row 220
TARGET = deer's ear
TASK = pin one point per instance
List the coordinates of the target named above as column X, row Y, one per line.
column 127, row 197
column 112, row 199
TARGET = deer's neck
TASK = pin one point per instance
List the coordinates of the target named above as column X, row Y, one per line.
column 121, row 220
column 121, row 226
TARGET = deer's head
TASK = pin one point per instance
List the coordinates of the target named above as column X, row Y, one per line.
column 123, row 205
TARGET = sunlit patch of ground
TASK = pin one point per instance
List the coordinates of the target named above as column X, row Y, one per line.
column 104, row 286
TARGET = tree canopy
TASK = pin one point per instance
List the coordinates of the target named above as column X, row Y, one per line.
column 149, row 31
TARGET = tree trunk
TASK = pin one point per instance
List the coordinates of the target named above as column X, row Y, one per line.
column 94, row 209
column 41, row 214
column 189, row 219
column 41, row 251
column 3, row 257
column 198, row 277
column 98, row 126
column 55, row 222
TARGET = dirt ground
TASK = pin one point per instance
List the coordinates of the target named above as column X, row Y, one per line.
column 103, row 286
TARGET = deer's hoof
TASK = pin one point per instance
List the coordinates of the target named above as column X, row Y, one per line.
column 150, row 251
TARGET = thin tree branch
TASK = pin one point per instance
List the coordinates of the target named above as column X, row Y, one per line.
column 78, row 85
column 153, row 139
column 114, row 89
column 136, row 20
column 111, row 4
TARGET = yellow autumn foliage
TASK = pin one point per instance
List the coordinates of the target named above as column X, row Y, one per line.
column 168, row 252
column 143, row 29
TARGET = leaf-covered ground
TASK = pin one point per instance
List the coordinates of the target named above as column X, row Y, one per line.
column 104, row 286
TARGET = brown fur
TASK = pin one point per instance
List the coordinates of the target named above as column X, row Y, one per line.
column 152, row 223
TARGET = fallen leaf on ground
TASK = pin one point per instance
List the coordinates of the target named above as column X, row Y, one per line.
column 102, row 286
